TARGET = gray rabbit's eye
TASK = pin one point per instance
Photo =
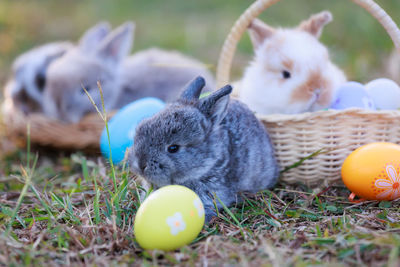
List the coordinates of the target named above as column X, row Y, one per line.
column 173, row 148
column 40, row 81
column 286, row 74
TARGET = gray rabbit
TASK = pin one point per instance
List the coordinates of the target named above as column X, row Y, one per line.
column 25, row 87
column 211, row 145
column 153, row 72
column 159, row 73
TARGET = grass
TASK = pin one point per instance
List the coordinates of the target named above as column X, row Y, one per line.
column 78, row 218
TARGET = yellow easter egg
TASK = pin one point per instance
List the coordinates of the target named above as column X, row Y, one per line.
column 373, row 171
column 169, row 218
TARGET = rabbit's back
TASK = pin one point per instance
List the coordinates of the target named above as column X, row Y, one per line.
column 253, row 166
column 159, row 73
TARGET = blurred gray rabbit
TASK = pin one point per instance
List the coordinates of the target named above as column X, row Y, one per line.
column 211, row 145
column 29, row 70
column 152, row 72
column 28, row 79
column 159, row 73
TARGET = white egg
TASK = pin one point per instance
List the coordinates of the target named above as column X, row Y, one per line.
column 385, row 93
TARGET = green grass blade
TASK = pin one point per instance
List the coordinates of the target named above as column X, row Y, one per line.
column 42, row 202
column 19, row 201
column 227, row 210
column 298, row 163
column 96, row 207
column 28, row 146
column 103, row 116
column 85, row 170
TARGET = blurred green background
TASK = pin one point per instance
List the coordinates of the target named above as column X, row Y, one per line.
column 357, row 42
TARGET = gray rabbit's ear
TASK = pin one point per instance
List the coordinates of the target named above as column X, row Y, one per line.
column 215, row 105
column 58, row 50
column 315, row 24
column 259, row 31
column 93, row 36
column 118, row 44
column 193, row 89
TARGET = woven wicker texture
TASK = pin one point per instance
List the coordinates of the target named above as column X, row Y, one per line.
column 48, row 132
column 337, row 133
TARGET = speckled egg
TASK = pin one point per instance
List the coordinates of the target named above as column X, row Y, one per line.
column 169, row 218
column 385, row 93
column 123, row 124
column 352, row 95
column 373, row 171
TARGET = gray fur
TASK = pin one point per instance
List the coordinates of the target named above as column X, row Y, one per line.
column 158, row 73
column 193, row 89
column 64, row 97
column 223, row 148
column 149, row 73
column 28, row 80
column 93, row 36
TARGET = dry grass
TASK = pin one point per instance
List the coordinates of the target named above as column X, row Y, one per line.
column 72, row 215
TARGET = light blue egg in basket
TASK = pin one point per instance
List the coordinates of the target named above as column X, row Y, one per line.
column 352, row 95
column 123, row 124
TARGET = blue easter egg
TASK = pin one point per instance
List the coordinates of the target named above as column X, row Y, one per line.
column 123, row 124
column 352, row 95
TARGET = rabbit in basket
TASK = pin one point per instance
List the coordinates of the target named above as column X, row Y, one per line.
column 29, row 76
column 291, row 71
column 153, row 73
column 26, row 86
column 211, row 145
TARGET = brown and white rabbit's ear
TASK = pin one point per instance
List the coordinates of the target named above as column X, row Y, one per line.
column 259, row 31
column 93, row 36
column 215, row 106
column 315, row 24
column 118, row 44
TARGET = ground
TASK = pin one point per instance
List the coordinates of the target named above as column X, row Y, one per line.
column 62, row 208
column 66, row 211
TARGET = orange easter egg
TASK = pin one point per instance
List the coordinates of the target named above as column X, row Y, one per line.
column 373, row 171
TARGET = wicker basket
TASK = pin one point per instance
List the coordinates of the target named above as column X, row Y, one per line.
column 44, row 131
column 337, row 133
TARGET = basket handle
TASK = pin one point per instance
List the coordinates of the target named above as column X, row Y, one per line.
column 229, row 47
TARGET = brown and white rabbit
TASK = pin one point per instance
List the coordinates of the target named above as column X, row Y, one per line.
column 291, row 71
column 29, row 70
column 151, row 73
